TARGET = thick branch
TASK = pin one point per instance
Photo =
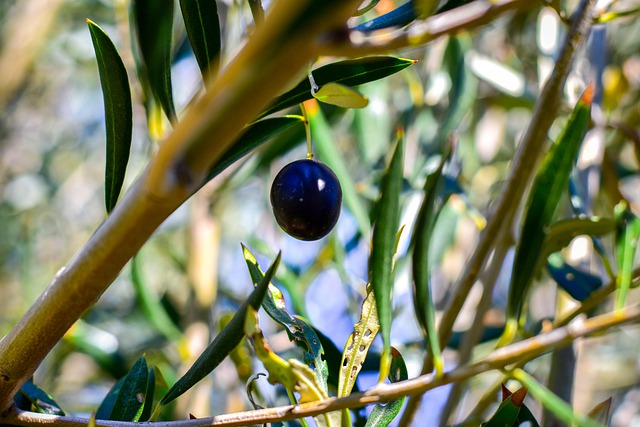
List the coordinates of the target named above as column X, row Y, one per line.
column 273, row 57
column 498, row 359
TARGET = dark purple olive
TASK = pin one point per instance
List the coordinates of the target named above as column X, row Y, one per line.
column 306, row 199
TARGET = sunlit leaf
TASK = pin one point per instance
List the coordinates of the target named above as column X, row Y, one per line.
column 224, row 342
column 383, row 248
column 358, row 344
column 203, row 29
column 628, row 232
column 562, row 232
column 383, row 415
column 350, row 72
column 602, row 412
column 118, row 112
column 153, row 26
column 125, row 401
column 548, row 187
column 151, row 305
column 294, row 375
column 341, row 96
column 303, row 335
column 41, row 401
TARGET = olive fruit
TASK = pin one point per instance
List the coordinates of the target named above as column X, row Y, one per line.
column 306, row 199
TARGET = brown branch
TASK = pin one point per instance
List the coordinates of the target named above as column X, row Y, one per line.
column 498, row 359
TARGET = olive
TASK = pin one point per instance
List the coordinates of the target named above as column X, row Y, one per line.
column 306, row 198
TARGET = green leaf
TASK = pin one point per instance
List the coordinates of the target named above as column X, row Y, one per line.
column 508, row 411
column 560, row 409
column 351, row 72
column 253, row 136
column 41, row 401
column 628, row 232
column 151, row 305
column 341, row 96
column 298, row 331
column 153, row 27
column 464, row 86
column 562, row 232
column 422, row 299
column 328, row 151
column 148, row 401
column 602, row 412
column 383, row 249
column 224, row 342
column 118, row 112
column 548, row 187
column 125, row 401
column 358, row 344
column 203, row 29
column 382, row 415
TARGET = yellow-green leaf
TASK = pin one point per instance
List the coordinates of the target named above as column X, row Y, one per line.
column 341, row 96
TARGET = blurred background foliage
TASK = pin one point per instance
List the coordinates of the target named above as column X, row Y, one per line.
column 480, row 88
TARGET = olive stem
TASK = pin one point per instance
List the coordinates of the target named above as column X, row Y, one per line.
column 307, row 128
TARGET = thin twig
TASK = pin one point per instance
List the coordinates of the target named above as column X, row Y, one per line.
column 460, row 19
column 529, row 152
column 500, row 358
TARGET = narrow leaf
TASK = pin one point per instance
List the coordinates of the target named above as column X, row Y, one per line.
column 548, row 187
column 203, row 29
column 328, row 151
column 398, row 17
column 383, row 415
column 464, row 86
column 602, row 412
column 560, row 409
column 153, row 26
column 253, row 136
column 125, row 401
column 117, row 109
column 358, row 344
column 341, row 96
column 626, row 247
column 42, row 402
column 224, row 342
column 562, row 232
column 350, row 72
column 148, row 401
column 383, row 249
column 106, row 406
column 422, row 300
column 507, row 412
column 298, row 331
column 151, row 305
